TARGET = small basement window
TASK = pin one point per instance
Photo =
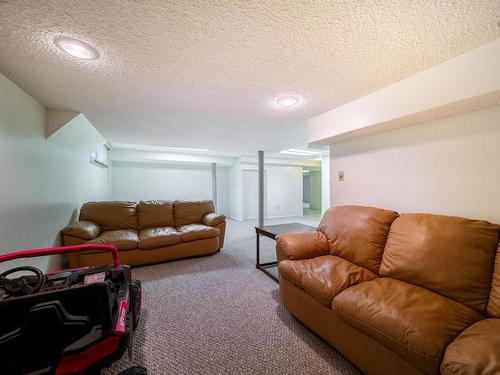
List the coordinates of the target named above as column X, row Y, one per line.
column 100, row 156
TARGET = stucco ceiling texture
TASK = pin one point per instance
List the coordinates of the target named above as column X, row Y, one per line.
column 205, row 74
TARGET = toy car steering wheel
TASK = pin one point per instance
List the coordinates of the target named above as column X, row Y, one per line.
column 22, row 285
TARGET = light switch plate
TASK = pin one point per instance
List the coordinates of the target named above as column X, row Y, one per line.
column 340, row 175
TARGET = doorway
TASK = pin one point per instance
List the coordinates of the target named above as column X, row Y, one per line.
column 311, row 192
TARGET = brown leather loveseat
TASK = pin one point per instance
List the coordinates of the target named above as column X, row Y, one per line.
column 146, row 232
column 398, row 294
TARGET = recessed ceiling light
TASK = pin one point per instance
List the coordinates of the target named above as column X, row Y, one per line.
column 287, row 101
column 76, row 48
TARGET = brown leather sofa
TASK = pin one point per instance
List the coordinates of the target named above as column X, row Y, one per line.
column 146, row 232
column 398, row 294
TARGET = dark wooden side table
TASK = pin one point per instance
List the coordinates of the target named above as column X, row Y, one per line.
column 271, row 231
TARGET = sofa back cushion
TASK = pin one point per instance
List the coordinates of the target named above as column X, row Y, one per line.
column 111, row 215
column 151, row 214
column 494, row 302
column 449, row 255
column 357, row 233
column 190, row 212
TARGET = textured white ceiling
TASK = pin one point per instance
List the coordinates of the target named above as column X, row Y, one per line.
column 204, row 74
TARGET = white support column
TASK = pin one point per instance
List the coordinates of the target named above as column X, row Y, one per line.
column 213, row 167
column 261, row 188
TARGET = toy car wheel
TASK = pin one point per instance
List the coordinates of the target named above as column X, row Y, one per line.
column 135, row 298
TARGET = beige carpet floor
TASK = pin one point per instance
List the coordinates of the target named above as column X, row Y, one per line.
column 219, row 315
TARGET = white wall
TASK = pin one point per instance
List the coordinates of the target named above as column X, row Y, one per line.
column 136, row 181
column 283, row 189
column 42, row 185
column 449, row 166
column 223, row 191
column 251, row 194
column 236, row 192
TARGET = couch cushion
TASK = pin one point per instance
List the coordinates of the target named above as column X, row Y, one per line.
column 191, row 212
column 152, row 238
column 125, row 239
column 494, row 302
column 357, row 234
column 475, row 352
column 110, row 215
column 154, row 214
column 449, row 255
column 324, row 277
column 192, row 232
column 414, row 322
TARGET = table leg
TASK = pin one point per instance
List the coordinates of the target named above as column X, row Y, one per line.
column 257, row 255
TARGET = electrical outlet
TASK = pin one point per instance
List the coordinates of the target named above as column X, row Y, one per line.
column 340, row 175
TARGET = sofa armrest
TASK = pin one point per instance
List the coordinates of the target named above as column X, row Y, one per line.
column 85, row 230
column 301, row 245
column 213, row 219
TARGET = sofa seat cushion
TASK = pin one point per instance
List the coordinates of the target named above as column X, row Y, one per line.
column 476, row 351
column 152, row 238
column 414, row 322
column 324, row 277
column 124, row 239
column 193, row 232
